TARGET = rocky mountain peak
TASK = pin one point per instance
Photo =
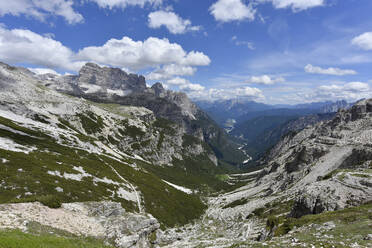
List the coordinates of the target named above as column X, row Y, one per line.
column 110, row 78
column 158, row 89
column 334, row 107
column 361, row 109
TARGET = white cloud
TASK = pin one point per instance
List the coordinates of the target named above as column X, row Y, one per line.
column 168, row 71
column 237, row 10
column 296, row 5
column 174, row 23
column 41, row 71
column 329, row 71
column 177, row 81
column 192, row 87
column 265, row 79
column 184, row 84
column 363, row 41
column 142, row 54
column 196, row 59
column 110, row 4
column 350, row 91
column 230, row 93
column 237, row 42
column 41, row 9
column 25, row 46
column 232, row 10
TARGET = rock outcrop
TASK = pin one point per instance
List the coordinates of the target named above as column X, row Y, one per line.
column 101, row 220
column 344, row 189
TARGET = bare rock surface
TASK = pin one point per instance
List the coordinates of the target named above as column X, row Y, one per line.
column 103, row 220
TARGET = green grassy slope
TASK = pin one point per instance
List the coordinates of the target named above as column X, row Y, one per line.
column 27, row 177
column 18, row 239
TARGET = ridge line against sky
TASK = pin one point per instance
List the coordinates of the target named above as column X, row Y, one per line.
column 273, row 51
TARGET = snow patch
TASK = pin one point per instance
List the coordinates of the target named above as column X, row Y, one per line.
column 10, row 145
column 70, row 176
column 105, row 180
column 125, row 194
column 117, row 92
column 121, row 191
column 6, row 128
column 90, row 88
column 180, row 188
column 59, row 189
column 3, row 160
column 17, row 118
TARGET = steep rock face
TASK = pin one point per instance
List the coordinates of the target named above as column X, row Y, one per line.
column 112, row 80
column 335, row 107
column 112, row 85
column 158, row 89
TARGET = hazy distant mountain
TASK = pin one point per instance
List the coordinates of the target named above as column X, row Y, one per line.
column 242, row 110
column 223, row 110
column 254, row 123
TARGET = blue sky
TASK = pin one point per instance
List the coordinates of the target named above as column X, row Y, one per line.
column 273, row 51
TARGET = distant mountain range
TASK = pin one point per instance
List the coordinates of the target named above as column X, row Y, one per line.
column 259, row 125
column 241, row 109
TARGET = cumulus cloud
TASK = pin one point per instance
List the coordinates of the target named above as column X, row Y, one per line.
column 295, row 5
column 232, row 10
column 110, row 4
column 174, row 23
column 192, row 87
column 25, row 46
column 230, row 93
column 363, row 41
column 41, row 9
column 41, row 71
column 238, row 10
column 168, row 71
column 142, row 54
column 184, row 84
column 177, row 81
column 329, row 71
column 265, row 79
column 350, row 91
